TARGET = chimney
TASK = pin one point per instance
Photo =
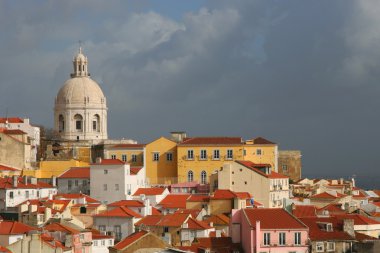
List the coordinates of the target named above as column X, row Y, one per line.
column 15, row 181
column 47, row 213
column 33, row 180
column 178, row 136
column 25, row 179
column 32, row 208
column 98, row 160
column 348, row 227
column 54, row 181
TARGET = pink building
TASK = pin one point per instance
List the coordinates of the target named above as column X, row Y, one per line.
column 269, row 230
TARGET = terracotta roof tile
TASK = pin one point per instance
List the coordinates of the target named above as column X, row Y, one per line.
column 358, row 219
column 149, row 191
column 273, row 218
column 318, row 232
column 155, row 211
column 228, row 194
column 218, row 219
column 174, row 201
column 193, row 212
column 7, row 183
column 135, row 170
column 198, row 198
column 11, row 120
column 76, row 172
column 75, row 196
column 261, row 140
column 127, row 203
column 121, row 211
column 60, row 227
column 14, row 228
column 109, row 162
column 169, row 220
column 12, row 131
column 194, row 224
column 304, row 211
column 212, row 141
column 326, row 195
column 129, row 240
column 5, row 168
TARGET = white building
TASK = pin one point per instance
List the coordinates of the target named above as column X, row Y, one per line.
column 16, row 190
column 155, row 195
column 112, row 180
column 80, row 111
column 267, row 187
column 24, row 125
column 101, row 242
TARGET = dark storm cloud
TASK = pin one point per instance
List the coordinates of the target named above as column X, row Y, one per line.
column 304, row 74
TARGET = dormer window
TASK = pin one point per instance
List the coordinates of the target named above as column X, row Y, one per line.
column 329, row 227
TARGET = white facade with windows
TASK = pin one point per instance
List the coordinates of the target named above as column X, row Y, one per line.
column 80, row 111
column 112, row 180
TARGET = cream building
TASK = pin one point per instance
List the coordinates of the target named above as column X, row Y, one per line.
column 80, row 111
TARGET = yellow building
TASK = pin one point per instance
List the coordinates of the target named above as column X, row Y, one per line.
column 161, row 161
column 261, row 151
column 130, row 153
column 198, row 157
column 54, row 168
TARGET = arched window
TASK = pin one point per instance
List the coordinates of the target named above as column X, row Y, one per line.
column 96, row 123
column 61, row 123
column 203, row 177
column 78, row 122
column 190, row 176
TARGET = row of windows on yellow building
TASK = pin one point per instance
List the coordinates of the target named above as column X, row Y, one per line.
column 192, row 159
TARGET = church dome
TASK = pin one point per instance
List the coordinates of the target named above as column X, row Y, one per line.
column 80, row 90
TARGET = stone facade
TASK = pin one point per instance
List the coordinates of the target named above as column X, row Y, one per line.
column 290, row 164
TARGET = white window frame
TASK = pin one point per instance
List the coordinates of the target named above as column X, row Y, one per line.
column 190, row 176
column 259, row 151
column 124, row 157
column 266, row 239
column 230, row 154
column 282, row 238
column 203, row 154
column 329, row 248
column 203, row 177
column 190, row 154
column 156, row 156
column 134, row 158
column 319, row 247
column 297, row 238
column 216, row 154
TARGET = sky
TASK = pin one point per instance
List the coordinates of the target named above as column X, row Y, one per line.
column 304, row 74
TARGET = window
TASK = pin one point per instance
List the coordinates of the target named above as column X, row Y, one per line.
column 190, row 154
column 203, row 177
column 83, row 209
column 78, row 122
column 319, row 247
column 116, row 187
column 102, row 228
column 117, row 230
column 297, row 238
column 11, row 195
column 76, row 183
column 113, row 157
column 95, row 123
column 166, row 229
column 110, row 242
column 124, row 158
column 330, row 246
column 284, row 168
column 190, row 176
column 169, row 156
column 329, row 227
column 105, row 172
column 266, row 239
column 104, row 187
column 27, row 194
column 230, row 154
column 61, row 123
column 69, row 184
column 134, row 158
column 281, row 238
column 203, row 154
column 216, row 154
column 103, row 242
column 258, row 151
column 156, row 156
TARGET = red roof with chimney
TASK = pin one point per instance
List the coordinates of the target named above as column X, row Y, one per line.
column 149, row 191
column 76, row 172
column 211, row 141
column 318, row 231
column 130, row 239
column 7, row 183
column 14, row 228
column 272, row 218
column 174, row 201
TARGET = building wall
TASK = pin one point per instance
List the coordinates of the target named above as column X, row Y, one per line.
column 150, row 241
column 218, row 206
column 290, row 164
column 78, row 185
column 14, row 152
column 48, row 169
column 268, row 155
column 161, row 171
column 209, row 165
column 118, row 153
column 101, row 245
column 126, row 225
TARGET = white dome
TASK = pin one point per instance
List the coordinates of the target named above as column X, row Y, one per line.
column 80, row 90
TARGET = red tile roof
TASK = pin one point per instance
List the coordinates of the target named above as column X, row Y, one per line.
column 14, row 228
column 198, row 198
column 174, row 201
column 7, row 183
column 149, row 191
column 11, row 120
column 358, row 219
column 76, row 172
column 53, row 227
column 228, row 194
column 304, row 211
column 109, row 162
column 121, row 211
column 333, row 208
column 127, row 203
column 193, row 212
column 218, row 219
column 155, row 211
column 261, row 140
column 5, row 168
column 216, row 244
column 326, row 195
column 75, row 196
column 12, row 131
column 194, row 224
column 211, row 141
column 255, row 167
column 129, row 146
column 4, row 250
column 272, row 218
column 169, row 220
column 129, row 240
column 318, row 232
column 135, row 170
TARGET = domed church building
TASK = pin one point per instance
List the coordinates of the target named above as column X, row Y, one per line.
column 80, row 111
